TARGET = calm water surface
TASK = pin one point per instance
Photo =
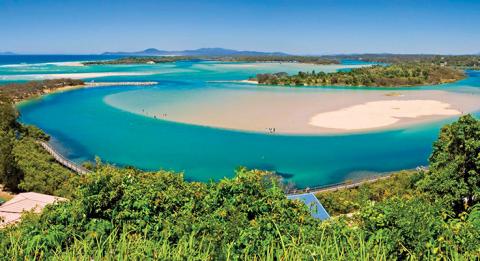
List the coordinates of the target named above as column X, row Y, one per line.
column 83, row 126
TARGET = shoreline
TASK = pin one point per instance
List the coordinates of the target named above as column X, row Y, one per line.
column 97, row 85
column 86, row 85
column 373, row 87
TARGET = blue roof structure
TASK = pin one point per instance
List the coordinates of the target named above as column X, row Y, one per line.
column 316, row 208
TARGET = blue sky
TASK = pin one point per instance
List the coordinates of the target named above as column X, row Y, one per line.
column 295, row 26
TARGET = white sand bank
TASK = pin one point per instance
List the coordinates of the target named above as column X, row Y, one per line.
column 378, row 114
column 73, row 64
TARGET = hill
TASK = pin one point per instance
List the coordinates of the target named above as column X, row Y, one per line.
column 196, row 52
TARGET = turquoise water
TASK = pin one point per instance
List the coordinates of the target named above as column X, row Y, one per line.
column 83, row 126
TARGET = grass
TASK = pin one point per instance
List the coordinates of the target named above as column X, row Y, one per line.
column 127, row 246
column 4, row 196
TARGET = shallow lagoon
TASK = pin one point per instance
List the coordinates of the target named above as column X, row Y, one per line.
column 83, row 126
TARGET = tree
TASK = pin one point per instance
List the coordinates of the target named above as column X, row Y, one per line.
column 10, row 175
column 8, row 114
column 454, row 174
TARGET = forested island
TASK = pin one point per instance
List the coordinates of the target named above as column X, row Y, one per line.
column 125, row 213
column 457, row 61
column 280, row 59
column 394, row 75
column 143, row 60
column 168, row 59
column 27, row 90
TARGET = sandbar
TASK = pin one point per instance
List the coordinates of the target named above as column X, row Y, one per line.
column 377, row 114
column 292, row 111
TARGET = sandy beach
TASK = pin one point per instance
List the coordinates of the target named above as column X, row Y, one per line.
column 376, row 114
column 299, row 111
column 72, row 64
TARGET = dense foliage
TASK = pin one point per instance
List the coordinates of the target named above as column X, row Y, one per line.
column 415, row 227
column 454, row 176
column 283, row 58
column 242, row 217
column 10, row 175
column 24, row 165
column 381, row 76
column 458, row 61
column 144, row 60
column 344, row 201
column 22, row 91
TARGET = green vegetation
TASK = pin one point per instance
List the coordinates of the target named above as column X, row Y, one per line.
column 284, row 58
column 168, row 59
column 24, row 165
column 143, row 60
column 454, row 176
column 345, row 201
column 378, row 76
column 123, row 213
column 22, row 91
column 457, row 61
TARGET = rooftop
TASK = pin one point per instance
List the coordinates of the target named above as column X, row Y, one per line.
column 11, row 211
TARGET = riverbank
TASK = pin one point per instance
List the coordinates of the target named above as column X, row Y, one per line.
column 32, row 93
column 99, row 84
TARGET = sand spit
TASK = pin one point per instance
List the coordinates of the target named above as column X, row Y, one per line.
column 378, row 114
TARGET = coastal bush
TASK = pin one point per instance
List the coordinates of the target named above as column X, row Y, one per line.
column 40, row 171
column 24, row 165
column 377, row 75
column 126, row 213
column 246, row 216
column 454, row 173
column 418, row 228
column 8, row 114
column 10, row 174
column 344, row 201
column 23, row 91
column 457, row 61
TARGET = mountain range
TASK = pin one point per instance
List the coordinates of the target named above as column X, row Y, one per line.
column 196, row 52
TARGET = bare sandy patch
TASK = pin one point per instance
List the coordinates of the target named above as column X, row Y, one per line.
column 378, row 114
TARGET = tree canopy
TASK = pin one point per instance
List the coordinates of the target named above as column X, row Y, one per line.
column 454, row 172
column 376, row 76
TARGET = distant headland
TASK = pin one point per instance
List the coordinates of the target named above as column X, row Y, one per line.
column 195, row 52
